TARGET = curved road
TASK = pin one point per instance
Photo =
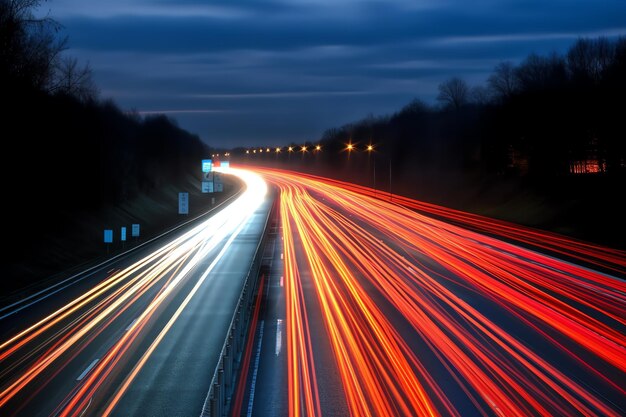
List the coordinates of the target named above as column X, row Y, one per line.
column 372, row 308
column 141, row 338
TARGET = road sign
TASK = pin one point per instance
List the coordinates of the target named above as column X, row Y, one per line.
column 207, row 165
column 134, row 230
column 207, row 186
column 225, row 165
column 123, row 234
column 219, row 186
column 183, row 203
column 207, row 176
column 108, row 236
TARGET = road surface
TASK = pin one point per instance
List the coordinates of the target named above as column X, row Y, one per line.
column 141, row 338
column 371, row 308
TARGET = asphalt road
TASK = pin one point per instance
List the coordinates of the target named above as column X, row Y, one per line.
column 140, row 337
column 371, row 308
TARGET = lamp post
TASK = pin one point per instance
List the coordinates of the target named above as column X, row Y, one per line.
column 370, row 149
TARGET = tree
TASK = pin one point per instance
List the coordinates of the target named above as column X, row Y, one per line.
column 454, row 93
column 480, row 95
column 541, row 73
column 73, row 80
column 29, row 47
column 588, row 60
column 503, row 82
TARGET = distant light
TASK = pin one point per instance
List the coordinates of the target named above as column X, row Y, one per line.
column 268, row 149
column 318, row 148
column 247, row 151
column 254, row 151
column 277, row 150
column 260, row 150
column 350, row 147
column 370, row 148
column 290, row 149
column 303, row 148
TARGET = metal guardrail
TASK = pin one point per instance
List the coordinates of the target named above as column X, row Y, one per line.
column 217, row 401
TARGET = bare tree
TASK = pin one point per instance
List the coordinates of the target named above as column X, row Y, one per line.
column 538, row 72
column 589, row 59
column 74, row 80
column 29, row 46
column 454, row 93
column 480, row 95
column 503, row 82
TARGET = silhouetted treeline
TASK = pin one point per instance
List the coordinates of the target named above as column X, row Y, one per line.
column 65, row 151
column 549, row 132
column 548, row 116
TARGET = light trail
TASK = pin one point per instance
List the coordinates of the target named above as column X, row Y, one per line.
column 31, row 359
column 425, row 317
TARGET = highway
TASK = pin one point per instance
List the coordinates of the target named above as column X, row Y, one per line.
column 374, row 307
column 142, row 336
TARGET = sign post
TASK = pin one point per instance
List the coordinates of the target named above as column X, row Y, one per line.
column 108, row 238
column 183, row 203
column 134, row 231
column 123, row 236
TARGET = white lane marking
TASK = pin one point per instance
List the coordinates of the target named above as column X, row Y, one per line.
column 279, row 336
column 86, row 371
column 96, row 268
column 131, row 325
column 256, row 369
column 85, row 410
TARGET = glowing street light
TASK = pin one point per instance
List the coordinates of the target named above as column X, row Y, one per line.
column 277, row 150
column 370, row 148
column 318, row 148
column 290, row 149
column 267, row 150
column 303, row 148
column 350, row 147
column 247, row 151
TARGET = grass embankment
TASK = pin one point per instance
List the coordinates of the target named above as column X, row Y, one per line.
column 74, row 240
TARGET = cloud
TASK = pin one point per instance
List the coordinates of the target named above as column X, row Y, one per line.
column 292, row 68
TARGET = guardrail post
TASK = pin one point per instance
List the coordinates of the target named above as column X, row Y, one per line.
column 222, row 394
column 228, row 370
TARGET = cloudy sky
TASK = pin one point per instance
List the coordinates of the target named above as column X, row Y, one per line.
column 244, row 72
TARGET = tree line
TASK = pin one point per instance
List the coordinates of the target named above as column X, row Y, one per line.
column 547, row 116
column 67, row 151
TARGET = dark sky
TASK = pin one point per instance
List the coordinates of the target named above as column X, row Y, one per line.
column 244, row 72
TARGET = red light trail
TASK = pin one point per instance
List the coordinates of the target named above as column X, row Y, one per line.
column 426, row 317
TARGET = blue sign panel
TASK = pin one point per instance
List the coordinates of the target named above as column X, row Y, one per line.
column 108, row 236
column 207, row 186
column 225, row 165
column 123, row 234
column 207, row 165
column 134, row 231
column 183, row 203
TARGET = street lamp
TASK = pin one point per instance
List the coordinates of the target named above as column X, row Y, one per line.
column 290, row 149
column 303, row 148
column 277, row 150
column 318, row 148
